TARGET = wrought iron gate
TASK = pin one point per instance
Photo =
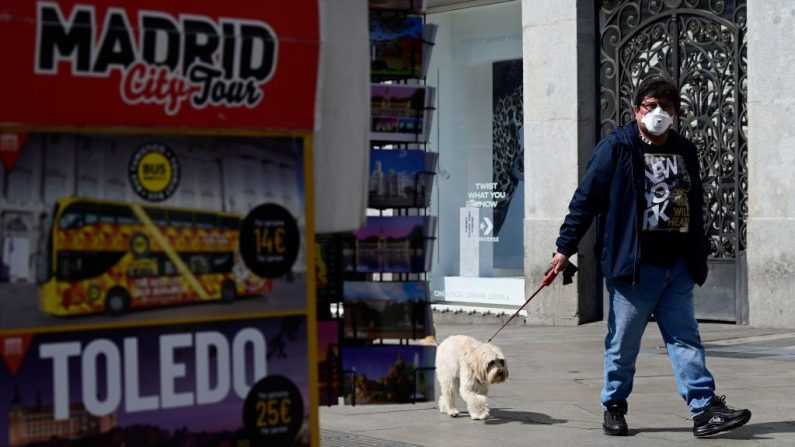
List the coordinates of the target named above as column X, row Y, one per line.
column 701, row 46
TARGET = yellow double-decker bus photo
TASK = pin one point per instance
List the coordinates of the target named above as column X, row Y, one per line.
column 106, row 256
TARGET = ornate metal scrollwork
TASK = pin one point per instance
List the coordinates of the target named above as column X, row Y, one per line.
column 701, row 46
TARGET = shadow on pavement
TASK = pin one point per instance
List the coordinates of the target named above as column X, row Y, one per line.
column 503, row 416
column 685, row 428
column 757, row 431
column 749, row 431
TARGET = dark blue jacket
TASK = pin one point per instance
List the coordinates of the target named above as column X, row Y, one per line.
column 613, row 190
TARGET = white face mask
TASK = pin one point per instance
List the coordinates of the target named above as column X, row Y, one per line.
column 657, row 121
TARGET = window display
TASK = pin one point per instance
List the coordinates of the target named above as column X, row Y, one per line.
column 478, row 134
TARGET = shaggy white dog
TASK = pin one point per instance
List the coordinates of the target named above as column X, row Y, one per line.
column 467, row 365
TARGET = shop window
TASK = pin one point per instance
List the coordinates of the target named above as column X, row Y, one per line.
column 478, row 133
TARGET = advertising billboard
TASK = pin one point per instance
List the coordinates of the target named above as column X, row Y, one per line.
column 154, row 221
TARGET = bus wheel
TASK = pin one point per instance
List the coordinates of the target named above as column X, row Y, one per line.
column 117, row 302
column 228, row 291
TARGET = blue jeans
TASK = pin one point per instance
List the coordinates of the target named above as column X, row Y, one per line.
column 668, row 294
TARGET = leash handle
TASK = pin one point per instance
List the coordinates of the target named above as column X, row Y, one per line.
column 550, row 276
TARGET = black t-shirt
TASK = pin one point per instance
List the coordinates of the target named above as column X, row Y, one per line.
column 666, row 213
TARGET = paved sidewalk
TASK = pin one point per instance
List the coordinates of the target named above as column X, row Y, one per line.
column 552, row 396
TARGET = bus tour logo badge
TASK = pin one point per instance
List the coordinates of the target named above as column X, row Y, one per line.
column 154, row 172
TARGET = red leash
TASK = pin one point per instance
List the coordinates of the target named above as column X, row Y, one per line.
column 547, row 281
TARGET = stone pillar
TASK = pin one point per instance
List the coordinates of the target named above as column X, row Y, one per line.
column 559, row 124
column 771, row 158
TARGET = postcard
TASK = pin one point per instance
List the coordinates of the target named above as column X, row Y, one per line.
column 396, row 45
column 393, row 310
column 396, row 244
column 388, row 374
column 401, row 113
column 401, row 178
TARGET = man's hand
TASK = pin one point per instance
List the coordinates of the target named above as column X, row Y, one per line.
column 559, row 262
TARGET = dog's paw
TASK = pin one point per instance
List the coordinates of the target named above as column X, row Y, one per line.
column 479, row 416
column 478, row 407
column 452, row 412
column 448, row 409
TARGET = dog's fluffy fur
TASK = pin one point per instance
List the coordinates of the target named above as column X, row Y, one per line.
column 465, row 364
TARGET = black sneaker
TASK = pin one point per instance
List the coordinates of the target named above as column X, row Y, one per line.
column 718, row 417
column 615, row 424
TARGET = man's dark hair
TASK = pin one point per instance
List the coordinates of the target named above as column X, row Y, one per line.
column 660, row 88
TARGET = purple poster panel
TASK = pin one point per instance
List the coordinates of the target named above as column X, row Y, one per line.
column 232, row 383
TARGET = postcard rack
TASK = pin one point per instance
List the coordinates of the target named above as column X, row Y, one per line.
column 386, row 335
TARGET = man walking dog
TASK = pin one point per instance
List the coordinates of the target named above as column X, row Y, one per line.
column 643, row 183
